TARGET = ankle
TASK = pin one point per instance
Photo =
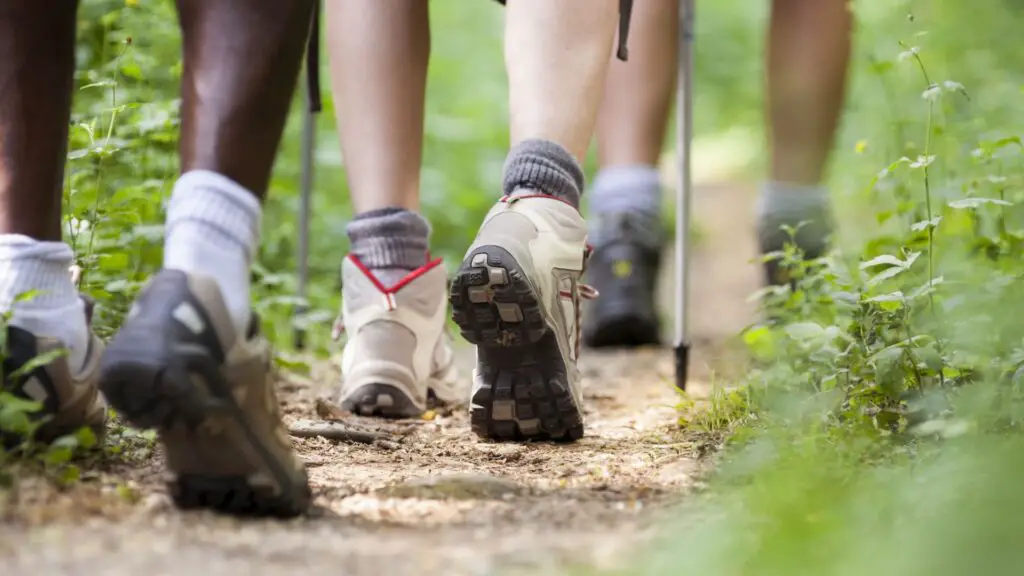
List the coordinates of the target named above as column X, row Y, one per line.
column 213, row 228
column 55, row 309
column 634, row 189
column 390, row 242
column 546, row 167
column 786, row 204
column 29, row 265
column 66, row 324
column 624, row 191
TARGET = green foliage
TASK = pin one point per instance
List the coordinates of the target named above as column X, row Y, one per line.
column 123, row 139
column 918, row 309
column 725, row 409
column 887, row 382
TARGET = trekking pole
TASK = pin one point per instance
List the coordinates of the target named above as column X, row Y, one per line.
column 308, row 154
column 684, row 142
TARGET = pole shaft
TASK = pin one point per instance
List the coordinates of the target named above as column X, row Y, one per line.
column 684, row 142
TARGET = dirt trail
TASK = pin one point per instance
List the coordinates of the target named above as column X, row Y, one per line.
column 439, row 499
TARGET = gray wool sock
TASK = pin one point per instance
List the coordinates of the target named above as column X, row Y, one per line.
column 391, row 242
column 783, row 203
column 633, row 191
column 546, row 167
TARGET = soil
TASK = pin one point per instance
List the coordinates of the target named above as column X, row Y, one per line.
column 431, row 497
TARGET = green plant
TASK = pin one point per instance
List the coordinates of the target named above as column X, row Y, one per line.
column 724, row 410
column 887, row 329
column 887, row 382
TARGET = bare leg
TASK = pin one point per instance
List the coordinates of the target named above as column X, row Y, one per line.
column 556, row 54
column 241, row 62
column 379, row 53
column 625, row 200
column 37, row 59
column 808, row 55
column 638, row 93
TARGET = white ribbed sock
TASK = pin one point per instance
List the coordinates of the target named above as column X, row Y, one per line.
column 56, row 311
column 213, row 226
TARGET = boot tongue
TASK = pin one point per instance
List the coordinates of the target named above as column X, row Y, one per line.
column 391, row 276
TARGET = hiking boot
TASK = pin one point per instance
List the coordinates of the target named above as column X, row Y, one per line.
column 178, row 365
column 398, row 359
column 624, row 269
column 69, row 402
column 517, row 297
column 810, row 237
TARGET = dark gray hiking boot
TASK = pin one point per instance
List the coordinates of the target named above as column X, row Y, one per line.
column 178, row 365
column 624, row 270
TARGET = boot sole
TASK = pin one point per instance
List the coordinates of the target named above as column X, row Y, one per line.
column 158, row 390
column 521, row 388
column 381, row 401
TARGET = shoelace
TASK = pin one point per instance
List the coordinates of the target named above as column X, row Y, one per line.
column 338, row 328
column 586, row 292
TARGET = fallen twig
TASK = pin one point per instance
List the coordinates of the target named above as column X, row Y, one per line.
column 387, row 444
column 333, row 431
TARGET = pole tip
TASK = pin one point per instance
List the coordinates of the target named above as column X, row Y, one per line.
column 682, row 357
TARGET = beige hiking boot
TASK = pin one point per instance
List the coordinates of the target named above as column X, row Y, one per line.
column 178, row 365
column 68, row 401
column 517, row 297
column 398, row 359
